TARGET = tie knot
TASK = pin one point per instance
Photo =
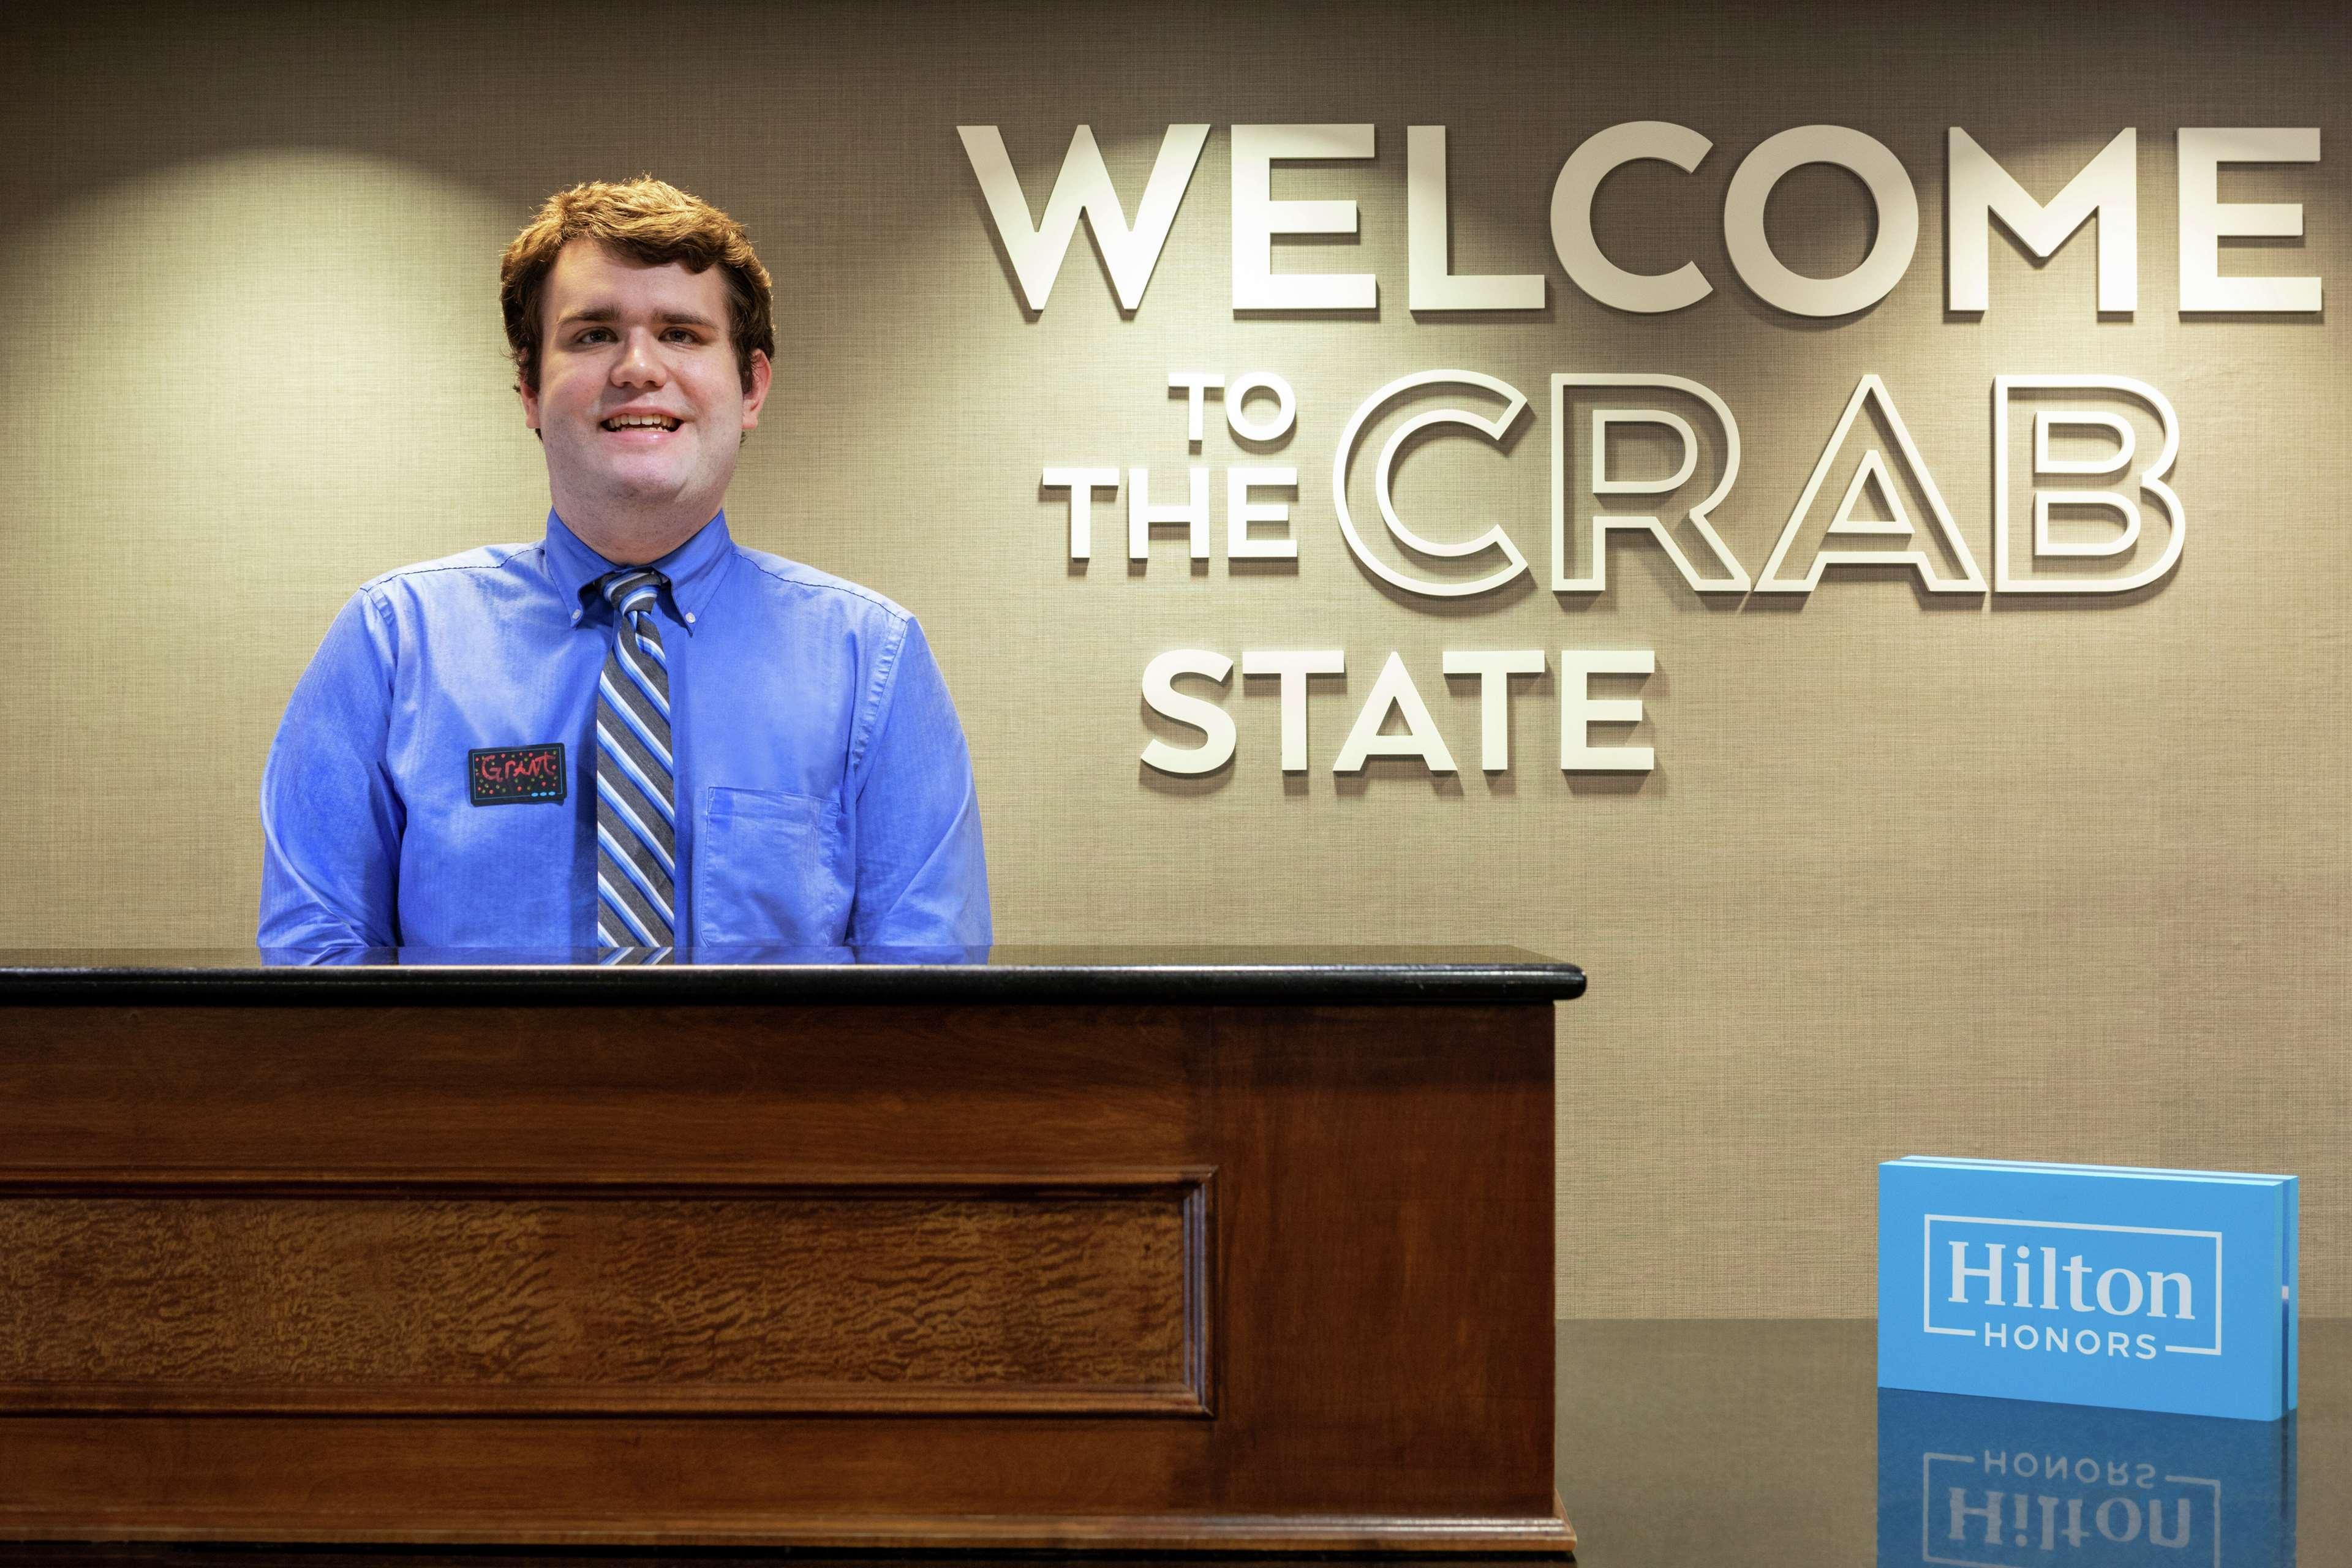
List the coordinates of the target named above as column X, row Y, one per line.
column 630, row 589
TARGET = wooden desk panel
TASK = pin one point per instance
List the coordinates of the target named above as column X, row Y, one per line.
column 442, row 1297
column 1152, row 1276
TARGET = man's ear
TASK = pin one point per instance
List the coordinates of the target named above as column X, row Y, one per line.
column 762, row 375
column 529, row 403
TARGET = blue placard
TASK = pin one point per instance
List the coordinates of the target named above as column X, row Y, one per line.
column 2140, row 1289
column 2003, row 1483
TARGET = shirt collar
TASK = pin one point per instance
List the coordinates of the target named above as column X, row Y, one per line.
column 694, row 568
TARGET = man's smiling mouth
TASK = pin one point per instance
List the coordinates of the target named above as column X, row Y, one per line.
column 640, row 422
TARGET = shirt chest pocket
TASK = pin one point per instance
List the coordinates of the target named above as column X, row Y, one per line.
column 770, row 868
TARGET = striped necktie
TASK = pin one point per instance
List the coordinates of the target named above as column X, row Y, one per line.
column 636, row 841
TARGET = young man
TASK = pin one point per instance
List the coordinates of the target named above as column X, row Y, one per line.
column 634, row 735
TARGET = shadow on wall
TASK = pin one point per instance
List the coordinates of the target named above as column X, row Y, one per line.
column 257, row 381
column 282, row 348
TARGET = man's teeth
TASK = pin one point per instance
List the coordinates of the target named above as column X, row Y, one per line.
column 640, row 422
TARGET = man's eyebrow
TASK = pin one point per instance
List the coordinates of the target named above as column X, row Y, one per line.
column 613, row 314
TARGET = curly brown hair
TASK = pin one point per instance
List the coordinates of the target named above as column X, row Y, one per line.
column 648, row 221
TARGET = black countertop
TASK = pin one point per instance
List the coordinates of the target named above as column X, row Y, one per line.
column 375, row 976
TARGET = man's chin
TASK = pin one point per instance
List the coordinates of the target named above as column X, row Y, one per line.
column 643, row 483
column 653, row 482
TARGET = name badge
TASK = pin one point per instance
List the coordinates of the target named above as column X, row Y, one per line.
column 514, row 775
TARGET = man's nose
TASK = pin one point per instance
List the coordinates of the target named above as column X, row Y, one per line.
column 639, row 365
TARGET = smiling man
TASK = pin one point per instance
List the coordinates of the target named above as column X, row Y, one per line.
column 634, row 735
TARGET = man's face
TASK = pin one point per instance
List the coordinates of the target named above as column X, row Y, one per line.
column 639, row 402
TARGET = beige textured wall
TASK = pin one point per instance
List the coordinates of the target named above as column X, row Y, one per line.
column 2038, row 881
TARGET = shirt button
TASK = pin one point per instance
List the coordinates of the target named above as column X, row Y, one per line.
column 689, row 617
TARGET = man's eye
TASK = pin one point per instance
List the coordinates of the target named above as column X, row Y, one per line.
column 683, row 336
column 593, row 334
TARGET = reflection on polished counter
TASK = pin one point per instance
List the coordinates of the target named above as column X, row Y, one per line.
column 1999, row 1482
column 1767, row 1444
column 1002, row 973
column 1762, row 1444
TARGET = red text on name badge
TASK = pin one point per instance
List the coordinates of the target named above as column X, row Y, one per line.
column 512, row 775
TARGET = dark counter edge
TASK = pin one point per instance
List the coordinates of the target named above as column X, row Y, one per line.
column 456, row 985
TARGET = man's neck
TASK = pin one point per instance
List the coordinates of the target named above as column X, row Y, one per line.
column 634, row 539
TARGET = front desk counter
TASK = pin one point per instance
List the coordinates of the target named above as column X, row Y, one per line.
column 1026, row 1249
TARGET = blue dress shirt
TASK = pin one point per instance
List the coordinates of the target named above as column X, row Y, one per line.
column 825, row 792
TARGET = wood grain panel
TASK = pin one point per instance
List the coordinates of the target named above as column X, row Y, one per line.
column 551, row 1091
column 449, row 1297
column 1407, row 1150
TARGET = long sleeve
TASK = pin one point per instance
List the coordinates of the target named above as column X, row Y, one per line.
column 330, row 820
column 922, row 876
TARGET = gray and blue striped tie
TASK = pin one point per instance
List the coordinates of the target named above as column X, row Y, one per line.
column 636, row 817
